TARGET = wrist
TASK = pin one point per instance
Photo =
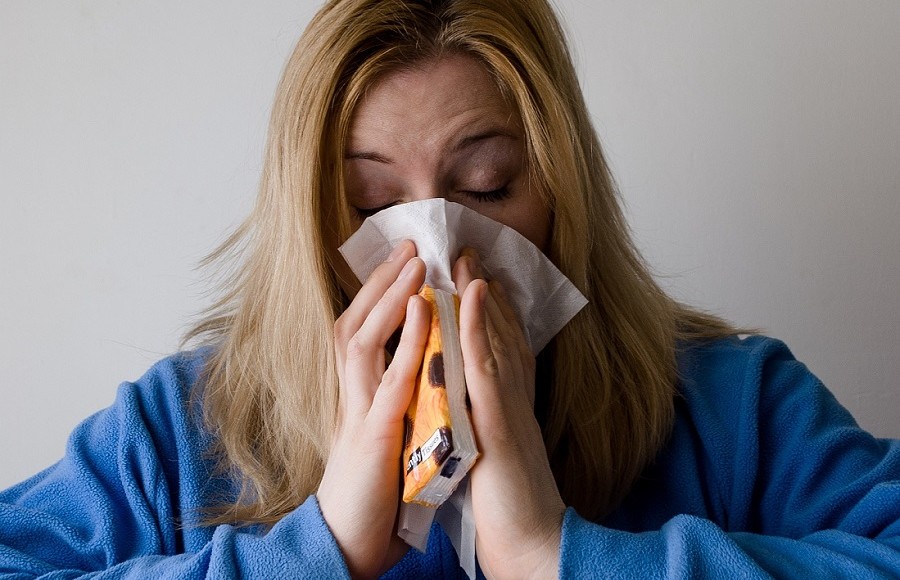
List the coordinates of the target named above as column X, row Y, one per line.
column 538, row 559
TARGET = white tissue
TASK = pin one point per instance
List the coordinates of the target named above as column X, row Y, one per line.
column 543, row 298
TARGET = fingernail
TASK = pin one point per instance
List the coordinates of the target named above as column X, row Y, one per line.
column 398, row 251
column 411, row 305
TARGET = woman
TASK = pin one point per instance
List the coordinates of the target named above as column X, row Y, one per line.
column 273, row 449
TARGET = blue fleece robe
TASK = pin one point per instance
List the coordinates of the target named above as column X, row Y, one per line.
column 764, row 474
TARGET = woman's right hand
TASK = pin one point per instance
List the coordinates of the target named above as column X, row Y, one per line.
column 360, row 489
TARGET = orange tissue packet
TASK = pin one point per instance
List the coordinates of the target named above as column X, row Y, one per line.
column 439, row 443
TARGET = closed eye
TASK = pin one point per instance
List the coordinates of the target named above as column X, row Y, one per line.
column 489, row 196
column 365, row 212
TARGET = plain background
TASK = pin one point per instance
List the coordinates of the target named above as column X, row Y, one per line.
column 756, row 144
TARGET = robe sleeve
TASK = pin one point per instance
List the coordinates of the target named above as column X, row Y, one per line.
column 817, row 497
column 126, row 501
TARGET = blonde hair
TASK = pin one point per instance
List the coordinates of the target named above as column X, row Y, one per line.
column 270, row 392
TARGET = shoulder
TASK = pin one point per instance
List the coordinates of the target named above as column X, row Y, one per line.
column 151, row 428
column 155, row 431
column 144, row 454
column 789, row 459
column 176, row 374
column 750, row 378
column 155, row 408
column 733, row 400
column 742, row 374
column 166, row 387
column 161, row 403
column 729, row 359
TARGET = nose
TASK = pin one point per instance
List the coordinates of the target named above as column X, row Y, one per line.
column 425, row 189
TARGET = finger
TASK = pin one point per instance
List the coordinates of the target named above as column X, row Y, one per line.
column 500, row 336
column 515, row 332
column 514, row 357
column 478, row 355
column 507, row 374
column 505, row 310
column 397, row 384
column 366, row 349
column 485, row 373
column 374, row 288
column 512, row 367
column 466, row 269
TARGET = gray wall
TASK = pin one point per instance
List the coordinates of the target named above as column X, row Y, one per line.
column 756, row 145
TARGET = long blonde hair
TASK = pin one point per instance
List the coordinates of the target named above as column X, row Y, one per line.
column 270, row 392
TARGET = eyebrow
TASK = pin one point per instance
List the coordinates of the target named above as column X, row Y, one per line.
column 473, row 139
column 463, row 143
column 370, row 155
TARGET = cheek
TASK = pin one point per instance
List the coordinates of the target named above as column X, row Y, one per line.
column 356, row 222
column 531, row 220
column 538, row 233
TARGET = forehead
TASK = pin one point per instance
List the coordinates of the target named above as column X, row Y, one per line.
column 430, row 103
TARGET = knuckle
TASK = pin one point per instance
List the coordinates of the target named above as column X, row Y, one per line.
column 398, row 289
column 357, row 348
column 378, row 273
column 488, row 365
column 497, row 344
column 390, row 377
column 341, row 331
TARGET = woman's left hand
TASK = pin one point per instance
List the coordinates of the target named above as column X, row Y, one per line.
column 516, row 504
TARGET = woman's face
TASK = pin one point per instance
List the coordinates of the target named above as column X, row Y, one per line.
column 442, row 129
